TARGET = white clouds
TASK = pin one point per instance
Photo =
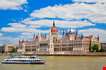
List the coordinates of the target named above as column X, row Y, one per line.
column 29, row 26
column 30, row 30
column 8, row 39
column 27, row 34
column 59, row 23
column 17, row 25
column 75, row 10
column 73, row 24
column 12, row 4
column 27, row 31
column 95, row 32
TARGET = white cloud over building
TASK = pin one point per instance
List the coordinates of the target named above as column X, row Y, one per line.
column 59, row 23
column 75, row 10
column 12, row 4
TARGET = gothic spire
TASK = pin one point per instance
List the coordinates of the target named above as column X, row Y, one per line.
column 53, row 23
column 34, row 36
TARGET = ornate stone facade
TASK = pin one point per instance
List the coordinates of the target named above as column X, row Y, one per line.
column 53, row 43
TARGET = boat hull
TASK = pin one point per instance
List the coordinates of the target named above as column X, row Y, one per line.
column 23, row 62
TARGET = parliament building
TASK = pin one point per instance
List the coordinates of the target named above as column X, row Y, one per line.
column 69, row 42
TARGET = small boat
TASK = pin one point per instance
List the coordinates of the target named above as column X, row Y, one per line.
column 23, row 60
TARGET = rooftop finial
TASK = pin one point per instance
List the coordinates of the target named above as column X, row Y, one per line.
column 53, row 23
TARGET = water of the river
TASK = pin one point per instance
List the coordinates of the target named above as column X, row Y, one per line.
column 60, row 63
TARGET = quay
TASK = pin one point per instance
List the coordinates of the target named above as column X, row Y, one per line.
column 71, row 54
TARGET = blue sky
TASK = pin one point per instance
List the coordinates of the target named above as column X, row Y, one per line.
column 20, row 19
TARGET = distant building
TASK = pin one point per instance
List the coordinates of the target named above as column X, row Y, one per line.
column 9, row 48
column 54, row 43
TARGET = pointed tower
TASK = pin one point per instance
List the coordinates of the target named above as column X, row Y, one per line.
column 63, row 33
column 72, row 35
column 34, row 37
column 19, row 43
column 53, row 38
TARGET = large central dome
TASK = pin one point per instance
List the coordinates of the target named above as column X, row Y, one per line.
column 54, row 29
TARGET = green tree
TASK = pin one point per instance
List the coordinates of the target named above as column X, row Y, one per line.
column 95, row 48
column 14, row 50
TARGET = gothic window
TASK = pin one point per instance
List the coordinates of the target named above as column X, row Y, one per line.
column 70, row 49
column 33, row 49
column 54, row 39
column 56, row 49
column 27, row 50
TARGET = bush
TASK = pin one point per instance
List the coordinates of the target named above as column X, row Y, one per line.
column 95, row 48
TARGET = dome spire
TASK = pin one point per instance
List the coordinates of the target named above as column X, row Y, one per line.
column 53, row 23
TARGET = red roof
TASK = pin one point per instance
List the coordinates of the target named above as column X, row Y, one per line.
column 54, row 29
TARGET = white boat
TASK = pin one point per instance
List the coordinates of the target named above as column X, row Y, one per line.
column 23, row 60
